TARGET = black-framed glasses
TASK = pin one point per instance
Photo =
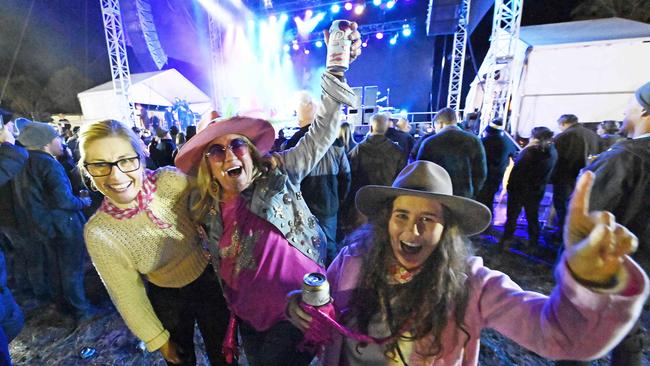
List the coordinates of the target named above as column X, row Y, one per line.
column 103, row 169
column 217, row 152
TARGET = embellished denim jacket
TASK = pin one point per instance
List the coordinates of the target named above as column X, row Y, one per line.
column 276, row 196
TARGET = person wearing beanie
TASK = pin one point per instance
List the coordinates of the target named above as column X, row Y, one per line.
column 622, row 187
column 499, row 149
column 52, row 221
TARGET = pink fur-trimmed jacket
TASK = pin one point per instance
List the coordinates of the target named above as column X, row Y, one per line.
column 573, row 323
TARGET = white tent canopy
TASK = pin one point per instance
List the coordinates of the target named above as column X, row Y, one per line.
column 588, row 68
column 159, row 88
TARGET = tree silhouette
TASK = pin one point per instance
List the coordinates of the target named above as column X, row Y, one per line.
column 629, row 9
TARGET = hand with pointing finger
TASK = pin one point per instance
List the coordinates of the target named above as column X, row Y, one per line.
column 594, row 243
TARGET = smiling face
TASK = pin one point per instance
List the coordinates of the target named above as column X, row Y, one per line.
column 415, row 228
column 121, row 188
column 235, row 170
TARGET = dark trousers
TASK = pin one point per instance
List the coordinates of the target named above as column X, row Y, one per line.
column 16, row 261
column 66, row 256
column 276, row 346
column 490, row 188
column 328, row 224
column 530, row 202
column 34, row 255
column 561, row 195
column 200, row 301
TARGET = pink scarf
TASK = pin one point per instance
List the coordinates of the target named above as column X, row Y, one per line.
column 143, row 198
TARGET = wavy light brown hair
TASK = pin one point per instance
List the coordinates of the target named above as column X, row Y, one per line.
column 209, row 189
column 436, row 295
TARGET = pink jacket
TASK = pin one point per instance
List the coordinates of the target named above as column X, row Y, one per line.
column 573, row 323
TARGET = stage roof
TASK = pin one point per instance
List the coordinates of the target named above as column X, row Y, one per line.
column 583, row 31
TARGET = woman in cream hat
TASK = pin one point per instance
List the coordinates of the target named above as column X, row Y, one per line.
column 409, row 276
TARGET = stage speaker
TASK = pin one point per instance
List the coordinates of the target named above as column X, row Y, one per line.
column 355, row 116
column 368, row 111
column 358, row 93
column 370, row 96
column 442, row 15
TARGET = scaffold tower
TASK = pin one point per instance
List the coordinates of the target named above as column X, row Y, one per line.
column 506, row 25
column 118, row 58
column 216, row 62
column 458, row 57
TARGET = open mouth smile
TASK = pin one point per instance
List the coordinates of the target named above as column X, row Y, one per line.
column 410, row 248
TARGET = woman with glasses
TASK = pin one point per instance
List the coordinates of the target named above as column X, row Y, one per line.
column 143, row 230
column 262, row 237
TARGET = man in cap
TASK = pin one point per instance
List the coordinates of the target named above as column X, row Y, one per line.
column 622, row 187
column 51, row 217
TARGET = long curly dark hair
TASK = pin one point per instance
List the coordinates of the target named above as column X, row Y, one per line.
column 421, row 306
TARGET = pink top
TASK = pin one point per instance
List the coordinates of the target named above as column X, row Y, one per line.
column 258, row 266
column 573, row 323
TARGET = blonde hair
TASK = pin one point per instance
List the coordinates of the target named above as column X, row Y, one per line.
column 209, row 189
column 345, row 134
column 90, row 133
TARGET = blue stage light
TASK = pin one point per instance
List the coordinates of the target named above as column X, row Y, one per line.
column 376, row 2
column 390, row 4
column 335, row 8
column 284, row 18
column 393, row 39
column 406, row 30
column 319, row 44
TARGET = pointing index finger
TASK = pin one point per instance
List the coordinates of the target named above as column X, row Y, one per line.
column 580, row 201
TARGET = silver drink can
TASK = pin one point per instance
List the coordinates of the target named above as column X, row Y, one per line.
column 338, row 46
column 315, row 289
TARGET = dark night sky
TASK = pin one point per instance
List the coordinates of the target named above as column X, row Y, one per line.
column 70, row 33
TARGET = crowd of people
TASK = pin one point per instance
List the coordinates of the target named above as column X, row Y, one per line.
column 216, row 226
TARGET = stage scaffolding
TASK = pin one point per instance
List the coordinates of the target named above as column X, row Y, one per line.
column 458, row 57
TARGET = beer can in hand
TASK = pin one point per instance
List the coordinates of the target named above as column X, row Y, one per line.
column 315, row 289
column 338, row 46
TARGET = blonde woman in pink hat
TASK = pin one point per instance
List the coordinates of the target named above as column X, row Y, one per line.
column 407, row 278
column 261, row 235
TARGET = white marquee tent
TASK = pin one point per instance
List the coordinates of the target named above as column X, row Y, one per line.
column 588, row 68
column 158, row 88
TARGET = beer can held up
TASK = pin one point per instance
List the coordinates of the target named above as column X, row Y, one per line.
column 315, row 289
column 338, row 46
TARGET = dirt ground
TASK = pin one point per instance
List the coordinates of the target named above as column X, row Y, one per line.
column 52, row 339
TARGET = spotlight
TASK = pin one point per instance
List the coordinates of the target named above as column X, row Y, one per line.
column 379, row 35
column 319, row 44
column 376, row 2
column 286, row 48
column 273, row 19
column 296, row 47
column 364, row 44
column 348, row 6
column 406, row 30
column 393, row 39
column 308, row 13
column 335, row 8
column 390, row 4
column 306, row 51
column 358, row 9
column 284, row 18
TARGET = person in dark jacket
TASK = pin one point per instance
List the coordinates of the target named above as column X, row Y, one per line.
column 574, row 145
column 161, row 153
column 460, row 153
column 46, row 206
column 404, row 140
column 622, row 187
column 527, row 183
column 327, row 186
column 376, row 160
column 499, row 148
column 609, row 133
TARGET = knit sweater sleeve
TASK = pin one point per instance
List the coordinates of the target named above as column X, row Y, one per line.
column 124, row 285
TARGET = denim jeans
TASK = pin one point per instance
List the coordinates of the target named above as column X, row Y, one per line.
column 276, row 346
column 202, row 302
column 34, row 256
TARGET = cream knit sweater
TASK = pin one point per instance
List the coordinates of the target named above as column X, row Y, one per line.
column 123, row 250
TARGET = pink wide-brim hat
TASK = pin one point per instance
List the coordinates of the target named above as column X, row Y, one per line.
column 259, row 131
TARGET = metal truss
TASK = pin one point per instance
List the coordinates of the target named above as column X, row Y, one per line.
column 364, row 29
column 458, row 57
column 117, row 55
column 216, row 61
column 506, row 25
